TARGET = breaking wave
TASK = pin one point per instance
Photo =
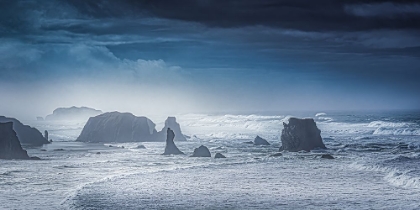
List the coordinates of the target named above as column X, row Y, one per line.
column 406, row 178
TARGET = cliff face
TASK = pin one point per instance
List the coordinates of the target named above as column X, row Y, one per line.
column 301, row 134
column 25, row 133
column 10, row 147
column 118, row 127
column 73, row 113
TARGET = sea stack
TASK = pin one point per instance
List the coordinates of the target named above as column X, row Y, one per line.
column 301, row 134
column 118, row 127
column 171, row 148
column 46, row 135
column 73, row 113
column 171, row 123
column 26, row 134
column 10, row 147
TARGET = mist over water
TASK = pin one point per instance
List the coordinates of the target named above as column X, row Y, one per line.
column 376, row 166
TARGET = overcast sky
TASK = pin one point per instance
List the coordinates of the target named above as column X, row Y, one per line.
column 168, row 57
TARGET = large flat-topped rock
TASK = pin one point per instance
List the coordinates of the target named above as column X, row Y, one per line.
column 125, row 127
column 301, row 134
column 118, row 127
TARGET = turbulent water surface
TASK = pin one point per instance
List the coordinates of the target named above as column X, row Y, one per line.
column 377, row 166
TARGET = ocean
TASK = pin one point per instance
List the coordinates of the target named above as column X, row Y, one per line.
column 376, row 166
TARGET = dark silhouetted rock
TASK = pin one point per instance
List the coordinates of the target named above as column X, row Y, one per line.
column 26, row 134
column 58, row 150
column 46, row 135
column 276, row 155
column 171, row 148
column 141, row 147
column 260, row 141
column 125, row 127
column 219, row 155
column 201, row 151
column 73, row 113
column 110, row 146
column 327, row 156
column 301, row 134
column 10, row 147
column 44, row 150
column 248, row 142
column 98, row 153
column 35, row 158
column 118, row 127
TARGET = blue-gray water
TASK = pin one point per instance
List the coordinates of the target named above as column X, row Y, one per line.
column 377, row 166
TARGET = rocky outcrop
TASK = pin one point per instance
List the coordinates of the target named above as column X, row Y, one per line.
column 118, row 127
column 219, row 155
column 73, row 113
column 125, row 127
column 26, row 134
column 171, row 123
column 201, row 151
column 260, row 141
column 170, row 148
column 301, row 134
column 10, row 147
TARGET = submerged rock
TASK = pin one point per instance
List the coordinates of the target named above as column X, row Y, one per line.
column 201, row 151
column 171, row 148
column 10, row 147
column 35, row 158
column 219, row 155
column 141, row 147
column 260, row 141
column 276, row 155
column 248, row 142
column 327, row 156
column 301, row 134
column 26, row 134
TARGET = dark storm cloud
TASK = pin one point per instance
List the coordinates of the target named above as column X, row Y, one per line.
column 353, row 41
column 320, row 15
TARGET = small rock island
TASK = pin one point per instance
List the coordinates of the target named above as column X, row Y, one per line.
column 301, row 134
